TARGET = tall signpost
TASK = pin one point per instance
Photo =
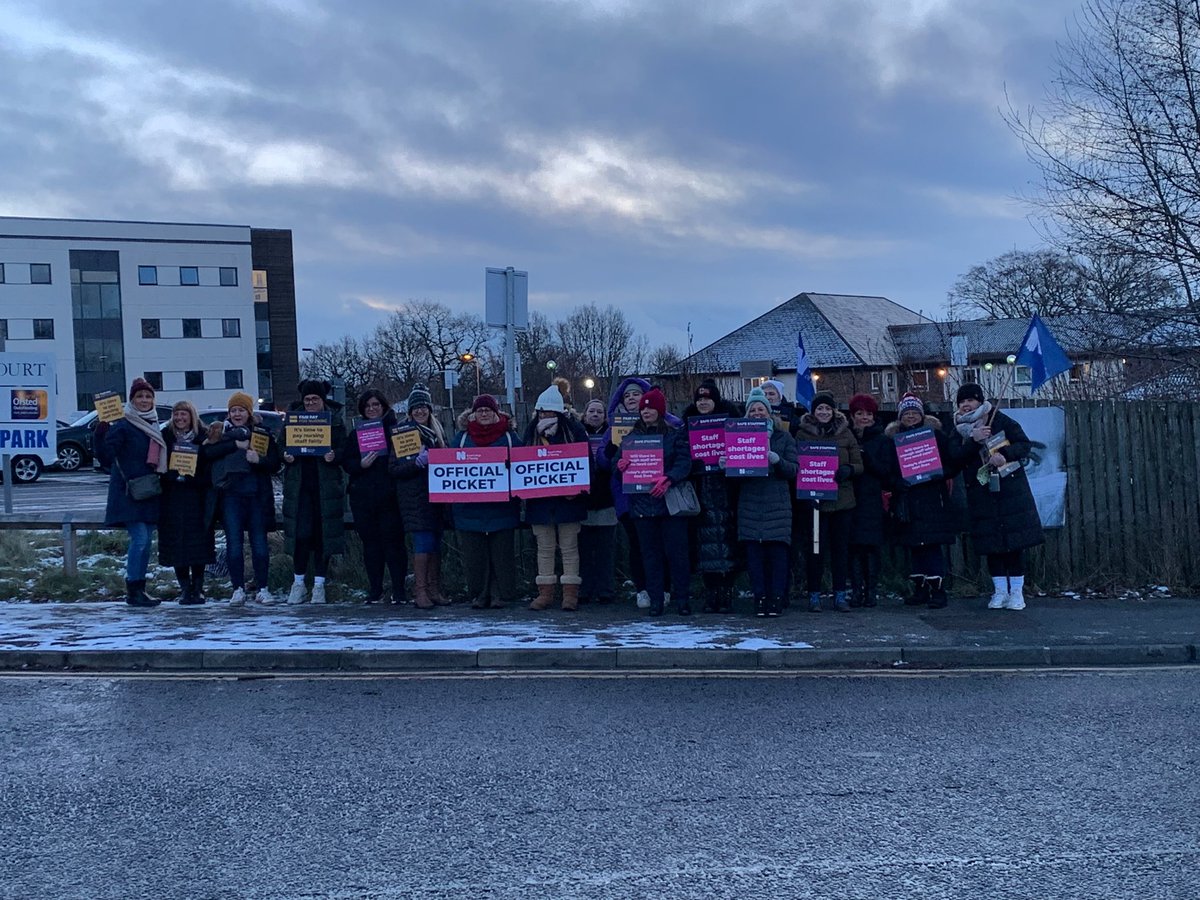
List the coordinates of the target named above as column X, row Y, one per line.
column 506, row 305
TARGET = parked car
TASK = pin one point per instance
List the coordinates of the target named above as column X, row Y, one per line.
column 75, row 449
column 272, row 421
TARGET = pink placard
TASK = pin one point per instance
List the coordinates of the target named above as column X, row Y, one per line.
column 747, row 443
column 706, row 439
column 645, row 455
column 555, row 470
column 817, row 465
column 468, row 475
column 371, row 438
column 917, row 453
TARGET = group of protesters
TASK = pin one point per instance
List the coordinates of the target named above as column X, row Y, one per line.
column 695, row 517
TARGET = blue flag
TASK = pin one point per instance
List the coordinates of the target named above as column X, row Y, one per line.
column 804, row 384
column 1042, row 353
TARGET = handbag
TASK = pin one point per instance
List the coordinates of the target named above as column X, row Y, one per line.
column 682, row 500
column 144, row 487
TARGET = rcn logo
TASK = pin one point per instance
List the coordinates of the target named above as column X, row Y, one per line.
column 542, row 452
column 461, row 455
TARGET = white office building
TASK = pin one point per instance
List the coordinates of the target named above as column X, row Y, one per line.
column 198, row 310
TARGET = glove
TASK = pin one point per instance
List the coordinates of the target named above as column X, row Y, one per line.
column 547, row 425
column 422, row 459
column 844, row 473
column 660, row 486
column 772, row 457
column 622, row 464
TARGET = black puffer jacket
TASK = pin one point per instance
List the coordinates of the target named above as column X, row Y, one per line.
column 1005, row 520
column 836, row 431
column 412, row 489
column 715, row 529
column 869, row 519
column 600, row 496
column 764, row 505
column 373, row 481
column 556, row 510
column 923, row 513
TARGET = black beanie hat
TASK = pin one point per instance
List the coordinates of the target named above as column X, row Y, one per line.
column 823, row 397
column 969, row 392
column 314, row 386
column 708, row 388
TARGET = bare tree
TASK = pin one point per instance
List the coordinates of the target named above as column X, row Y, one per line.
column 1018, row 284
column 600, row 344
column 348, row 358
column 664, row 359
column 1118, row 138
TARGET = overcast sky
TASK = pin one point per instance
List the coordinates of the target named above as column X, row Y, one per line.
column 687, row 161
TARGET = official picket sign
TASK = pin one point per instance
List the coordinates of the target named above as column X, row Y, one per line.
column 558, row 470
column 27, row 419
column 917, row 453
column 706, row 439
column 468, row 475
column 817, row 465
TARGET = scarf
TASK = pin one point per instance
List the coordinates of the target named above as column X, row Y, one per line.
column 964, row 423
column 147, row 423
column 486, row 435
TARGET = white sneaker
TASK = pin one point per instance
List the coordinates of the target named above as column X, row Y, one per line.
column 1016, row 593
column 298, row 594
column 318, row 595
column 238, row 598
column 999, row 593
column 263, row 597
column 643, row 600
column 666, row 598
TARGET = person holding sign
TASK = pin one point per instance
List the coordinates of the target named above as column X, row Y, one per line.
column 869, row 522
column 314, row 525
column 598, row 536
column 1003, row 515
column 662, row 538
column 487, row 531
column 920, row 507
column 623, row 404
column 764, row 511
column 242, row 494
column 409, row 468
column 714, row 532
column 826, row 424
column 555, row 520
column 134, row 449
column 185, row 538
column 364, row 457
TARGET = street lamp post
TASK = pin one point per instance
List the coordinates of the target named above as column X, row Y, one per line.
column 469, row 358
column 589, row 383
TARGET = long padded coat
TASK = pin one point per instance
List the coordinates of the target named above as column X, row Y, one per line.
column 764, row 506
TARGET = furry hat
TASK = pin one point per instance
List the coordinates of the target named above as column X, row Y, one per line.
column 313, row 386
column 969, row 392
column 654, row 399
column 551, row 400
column 865, row 402
column 910, row 401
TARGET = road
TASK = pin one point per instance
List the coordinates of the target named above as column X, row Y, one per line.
column 969, row 785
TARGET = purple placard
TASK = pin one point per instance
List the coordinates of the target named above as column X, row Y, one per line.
column 917, row 453
column 706, row 438
column 817, row 465
column 596, row 445
column 371, row 437
column 645, row 455
column 747, row 443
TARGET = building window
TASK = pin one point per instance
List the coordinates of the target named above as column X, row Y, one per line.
column 155, row 378
column 1079, row 372
column 43, row 329
column 259, row 277
column 1, row 273
column 233, row 379
column 971, row 375
column 919, row 379
column 228, row 276
column 39, row 273
column 147, row 274
column 1023, row 375
column 193, row 380
column 150, row 329
column 189, row 275
column 191, row 328
column 231, row 328
column 3, row 329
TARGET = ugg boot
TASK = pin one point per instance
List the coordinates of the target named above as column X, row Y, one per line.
column 433, row 581
column 1016, row 593
column 420, row 591
column 814, row 601
column 545, row 597
column 937, row 593
column 920, row 591
column 999, row 592
column 760, row 607
column 570, row 592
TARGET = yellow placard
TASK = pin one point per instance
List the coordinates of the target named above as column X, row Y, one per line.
column 183, row 461
column 309, row 439
column 622, row 424
column 109, row 406
column 406, row 442
column 260, row 441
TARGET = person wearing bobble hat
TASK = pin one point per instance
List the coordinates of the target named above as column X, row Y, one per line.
column 133, row 447
column 373, row 505
column 1003, row 516
column 556, row 521
column 242, row 494
column 486, row 531
column 869, row 521
column 826, row 424
column 662, row 538
column 764, row 511
column 924, row 518
column 185, row 540
column 422, row 519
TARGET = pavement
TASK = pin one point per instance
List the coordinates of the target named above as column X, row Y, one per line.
column 1050, row 632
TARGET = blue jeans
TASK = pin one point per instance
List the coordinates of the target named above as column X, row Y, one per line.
column 138, row 558
column 245, row 512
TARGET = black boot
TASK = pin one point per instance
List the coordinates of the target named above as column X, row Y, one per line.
column 711, row 602
column 725, row 599
column 868, row 599
column 937, row 593
column 135, row 594
column 760, row 607
column 191, row 594
column 920, row 592
column 682, row 608
column 773, row 606
column 856, row 596
column 198, row 586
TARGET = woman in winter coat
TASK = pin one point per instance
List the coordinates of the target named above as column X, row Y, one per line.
column 925, row 520
column 314, row 524
column 764, row 512
column 868, row 521
column 714, row 532
column 185, row 539
column 598, row 534
column 556, row 521
column 373, row 505
column 242, row 494
column 662, row 538
column 422, row 519
column 487, row 531
column 1004, row 518
column 781, row 407
column 133, row 447
column 826, row 424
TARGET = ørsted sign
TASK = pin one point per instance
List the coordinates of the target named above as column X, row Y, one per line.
column 27, row 394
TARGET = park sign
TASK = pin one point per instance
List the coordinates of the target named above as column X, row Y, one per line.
column 28, row 425
column 468, row 475
column 555, row 470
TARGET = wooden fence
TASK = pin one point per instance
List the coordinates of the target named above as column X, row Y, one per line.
column 1133, row 498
